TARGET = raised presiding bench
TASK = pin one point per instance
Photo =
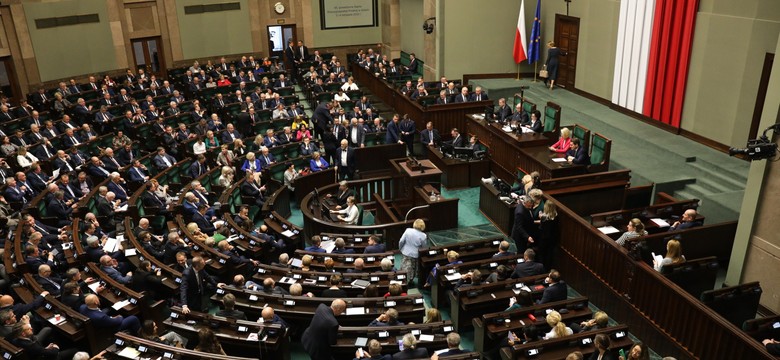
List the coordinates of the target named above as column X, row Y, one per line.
column 238, row 337
column 300, row 309
column 560, row 347
column 490, row 328
column 471, row 301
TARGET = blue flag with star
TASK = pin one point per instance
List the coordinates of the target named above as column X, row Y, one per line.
column 536, row 32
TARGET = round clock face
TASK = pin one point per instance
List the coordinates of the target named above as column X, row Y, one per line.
column 279, row 7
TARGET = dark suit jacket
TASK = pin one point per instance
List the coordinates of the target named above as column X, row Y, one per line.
column 536, row 126
column 235, row 314
column 503, row 113
column 190, row 293
column 426, row 135
column 419, row 353
column 321, row 334
column 460, row 98
column 554, row 292
column 528, row 268
column 524, row 226
column 580, row 155
column 34, row 349
column 483, row 97
column 460, row 141
column 350, row 159
column 59, row 210
column 361, row 136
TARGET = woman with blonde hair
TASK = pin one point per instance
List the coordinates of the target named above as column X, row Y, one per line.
column 25, row 159
column 548, row 233
column 452, row 259
column 635, row 229
column 411, row 241
column 559, row 329
column 226, row 177
column 239, row 149
column 195, row 232
column 306, row 262
column 432, row 315
column 553, row 53
column 564, row 142
column 673, row 255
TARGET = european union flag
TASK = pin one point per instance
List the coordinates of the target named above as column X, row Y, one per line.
column 536, row 32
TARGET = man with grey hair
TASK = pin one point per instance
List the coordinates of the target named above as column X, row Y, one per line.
column 386, row 265
column 453, row 346
column 524, row 231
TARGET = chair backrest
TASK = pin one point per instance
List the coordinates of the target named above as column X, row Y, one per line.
column 582, row 133
column 599, row 151
column 552, row 117
column 360, row 214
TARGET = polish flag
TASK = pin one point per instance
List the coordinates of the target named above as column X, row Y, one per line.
column 520, row 50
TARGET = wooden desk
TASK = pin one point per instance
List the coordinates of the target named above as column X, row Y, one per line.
column 499, row 212
column 427, row 174
column 527, row 152
column 443, row 116
column 306, row 184
column 459, row 173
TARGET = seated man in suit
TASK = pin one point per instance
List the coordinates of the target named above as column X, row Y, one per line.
column 453, row 346
column 474, row 144
column 478, row 95
column 457, row 140
column 97, row 169
column 343, row 193
column 687, row 221
column 104, row 323
column 198, row 168
column 503, row 113
column 430, row 136
column 229, row 302
column 529, row 267
column 23, row 336
column 270, row 139
column 315, row 245
column 230, row 134
column 266, row 159
column 162, row 160
column 374, row 246
column 373, row 350
column 577, row 155
column 235, row 259
column 110, row 266
column 49, row 282
column 117, row 186
column 463, row 96
column 250, row 188
column 202, row 220
column 13, row 193
column 556, row 289
column 60, row 209
column 443, row 98
column 520, row 117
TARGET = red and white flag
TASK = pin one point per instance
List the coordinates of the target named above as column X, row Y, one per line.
column 520, row 51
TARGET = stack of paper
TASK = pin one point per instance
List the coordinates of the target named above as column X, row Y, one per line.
column 453, row 276
column 660, row 222
column 356, row 311
column 120, row 304
column 608, row 230
column 111, row 245
column 130, row 353
column 288, row 233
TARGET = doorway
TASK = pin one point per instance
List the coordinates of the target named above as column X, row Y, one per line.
column 9, row 87
column 148, row 56
column 567, row 35
column 278, row 36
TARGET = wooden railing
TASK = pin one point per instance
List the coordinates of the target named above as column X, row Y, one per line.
column 672, row 321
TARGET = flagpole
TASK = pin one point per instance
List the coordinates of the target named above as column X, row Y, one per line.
column 518, row 71
column 535, row 72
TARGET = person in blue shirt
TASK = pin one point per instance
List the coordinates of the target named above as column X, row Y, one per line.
column 315, row 245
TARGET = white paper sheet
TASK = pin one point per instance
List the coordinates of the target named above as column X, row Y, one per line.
column 608, row 230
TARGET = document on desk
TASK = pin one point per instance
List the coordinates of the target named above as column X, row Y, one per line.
column 120, row 304
column 559, row 160
column 297, row 263
column 608, row 230
column 130, row 353
column 356, row 311
column 130, row 252
column 328, row 245
column 526, row 130
column 425, row 337
column 286, row 280
column 289, row 233
column 453, row 276
column 53, row 320
column 231, row 238
column 122, row 208
column 94, row 286
column 660, row 222
column 111, row 245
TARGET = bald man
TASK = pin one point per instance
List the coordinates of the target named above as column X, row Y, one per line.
column 269, row 317
column 323, row 330
column 102, row 321
column 7, row 303
column 687, row 221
